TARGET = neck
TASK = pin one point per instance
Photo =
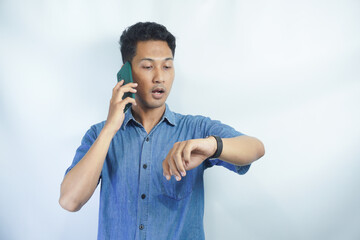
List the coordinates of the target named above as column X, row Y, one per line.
column 148, row 117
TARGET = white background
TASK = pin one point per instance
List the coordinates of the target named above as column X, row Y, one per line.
column 286, row 72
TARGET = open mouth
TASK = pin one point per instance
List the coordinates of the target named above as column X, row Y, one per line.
column 158, row 92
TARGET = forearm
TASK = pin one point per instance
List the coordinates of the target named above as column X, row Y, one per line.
column 241, row 150
column 80, row 182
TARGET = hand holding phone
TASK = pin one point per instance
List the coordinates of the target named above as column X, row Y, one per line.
column 120, row 100
column 126, row 75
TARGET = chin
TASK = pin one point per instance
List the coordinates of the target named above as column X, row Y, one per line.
column 156, row 105
column 152, row 104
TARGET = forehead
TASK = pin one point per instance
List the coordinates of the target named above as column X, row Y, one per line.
column 154, row 49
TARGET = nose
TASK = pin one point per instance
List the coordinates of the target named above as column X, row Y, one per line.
column 159, row 75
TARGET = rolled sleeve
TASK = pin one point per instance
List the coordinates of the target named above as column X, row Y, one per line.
column 86, row 142
column 215, row 127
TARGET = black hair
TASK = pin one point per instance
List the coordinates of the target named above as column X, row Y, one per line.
column 143, row 31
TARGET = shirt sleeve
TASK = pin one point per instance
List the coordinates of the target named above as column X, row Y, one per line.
column 86, row 142
column 215, row 127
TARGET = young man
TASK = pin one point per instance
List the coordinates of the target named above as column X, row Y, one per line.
column 149, row 159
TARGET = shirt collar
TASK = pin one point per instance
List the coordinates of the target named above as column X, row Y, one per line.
column 168, row 115
column 128, row 117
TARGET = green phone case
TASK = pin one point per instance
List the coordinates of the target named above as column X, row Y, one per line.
column 126, row 75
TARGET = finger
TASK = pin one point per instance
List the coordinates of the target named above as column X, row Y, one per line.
column 166, row 167
column 167, row 160
column 172, row 163
column 118, row 95
column 118, row 85
column 178, row 158
column 126, row 101
column 187, row 152
column 171, row 173
column 173, row 169
column 166, row 170
column 131, row 84
column 121, row 84
column 121, row 105
column 125, row 89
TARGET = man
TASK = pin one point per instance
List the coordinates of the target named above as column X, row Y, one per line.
column 149, row 159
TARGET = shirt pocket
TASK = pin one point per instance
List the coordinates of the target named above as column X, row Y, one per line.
column 177, row 189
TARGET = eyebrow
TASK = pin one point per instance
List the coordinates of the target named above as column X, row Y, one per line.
column 152, row 60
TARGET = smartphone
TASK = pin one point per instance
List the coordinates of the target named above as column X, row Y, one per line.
column 126, row 75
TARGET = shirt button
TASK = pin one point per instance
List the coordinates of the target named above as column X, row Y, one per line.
column 147, row 139
column 144, row 166
column 141, row 227
column 143, row 196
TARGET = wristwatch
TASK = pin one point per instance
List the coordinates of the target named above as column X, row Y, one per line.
column 219, row 147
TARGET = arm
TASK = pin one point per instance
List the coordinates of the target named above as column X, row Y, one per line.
column 241, row 150
column 189, row 154
column 80, row 182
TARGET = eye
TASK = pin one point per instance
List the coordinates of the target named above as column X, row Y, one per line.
column 147, row 67
column 167, row 67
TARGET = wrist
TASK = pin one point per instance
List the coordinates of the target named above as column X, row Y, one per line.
column 212, row 144
column 107, row 132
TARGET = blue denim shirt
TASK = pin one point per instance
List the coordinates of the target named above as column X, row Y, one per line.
column 136, row 200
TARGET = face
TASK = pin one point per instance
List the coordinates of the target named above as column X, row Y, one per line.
column 153, row 70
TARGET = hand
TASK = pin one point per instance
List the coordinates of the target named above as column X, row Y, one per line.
column 187, row 155
column 117, row 105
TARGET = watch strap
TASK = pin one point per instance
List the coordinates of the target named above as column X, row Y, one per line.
column 219, row 149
